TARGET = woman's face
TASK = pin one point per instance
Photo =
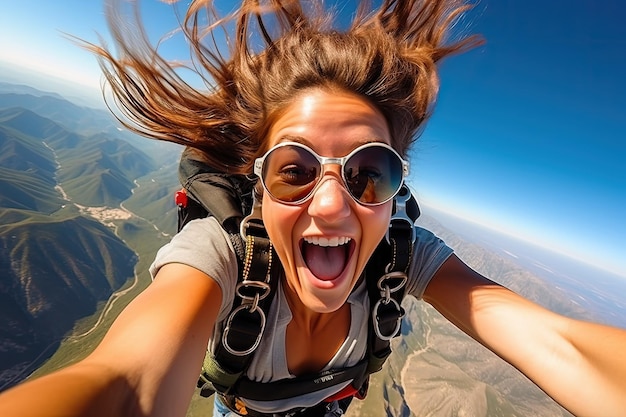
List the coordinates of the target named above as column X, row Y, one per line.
column 321, row 277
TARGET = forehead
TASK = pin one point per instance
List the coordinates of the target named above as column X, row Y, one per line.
column 330, row 122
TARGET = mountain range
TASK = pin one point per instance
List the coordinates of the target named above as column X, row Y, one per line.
column 57, row 262
column 437, row 370
column 83, row 208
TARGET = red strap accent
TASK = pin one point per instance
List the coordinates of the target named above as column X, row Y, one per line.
column 348, row 391
column 180, row 198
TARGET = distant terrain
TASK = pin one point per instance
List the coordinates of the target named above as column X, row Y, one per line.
column 436, row 370
column 83, row 209
column 64, row 172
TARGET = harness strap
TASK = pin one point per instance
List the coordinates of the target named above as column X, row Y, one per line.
column 293, row 387
column 224, row 372
column 386, row 293
column 245, row 324
column 324, row 408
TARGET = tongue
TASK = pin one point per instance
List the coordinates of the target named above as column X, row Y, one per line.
column 325, row 263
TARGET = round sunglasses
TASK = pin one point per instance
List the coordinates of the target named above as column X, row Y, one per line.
column 372, row 173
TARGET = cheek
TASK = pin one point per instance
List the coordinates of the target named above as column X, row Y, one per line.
column 279, row 221
column 375, row 223
column 379, row 220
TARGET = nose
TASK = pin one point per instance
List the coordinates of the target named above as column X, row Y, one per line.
column 330, row 202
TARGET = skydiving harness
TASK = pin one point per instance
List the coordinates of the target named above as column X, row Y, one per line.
column 227, row 197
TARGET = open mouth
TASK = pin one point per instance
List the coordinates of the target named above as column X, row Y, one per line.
column 326, row 258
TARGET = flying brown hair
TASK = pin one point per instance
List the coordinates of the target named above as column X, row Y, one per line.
column 276, row 50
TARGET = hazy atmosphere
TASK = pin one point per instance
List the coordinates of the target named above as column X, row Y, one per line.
column 524, row 152
column 528, row 136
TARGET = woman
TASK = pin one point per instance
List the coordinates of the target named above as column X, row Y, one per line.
column 307, row 94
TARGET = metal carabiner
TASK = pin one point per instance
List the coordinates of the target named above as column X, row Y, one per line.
column 259, row 288
column 376, row 323
column 393, row 275
column 252, row 307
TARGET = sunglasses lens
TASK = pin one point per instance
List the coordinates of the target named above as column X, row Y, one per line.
column 290, row 173
column 373, row 174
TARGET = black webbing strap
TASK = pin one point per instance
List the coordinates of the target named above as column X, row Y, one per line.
column 245, row 324
column 386, row 276
column 323, row 408
column 228, row 198
column 293, row 387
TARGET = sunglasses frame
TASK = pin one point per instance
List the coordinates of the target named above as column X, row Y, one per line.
column 326, row 160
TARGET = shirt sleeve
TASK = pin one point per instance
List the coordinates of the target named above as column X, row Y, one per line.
column 204, row 245
column 429, row 253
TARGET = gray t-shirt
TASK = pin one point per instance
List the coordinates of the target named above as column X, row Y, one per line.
column 203, row 245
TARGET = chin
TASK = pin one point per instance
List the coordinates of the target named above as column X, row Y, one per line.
column 326, row 300
column 322, row 306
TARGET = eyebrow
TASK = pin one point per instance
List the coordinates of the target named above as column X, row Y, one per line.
column 292, row 138
column 305, row 141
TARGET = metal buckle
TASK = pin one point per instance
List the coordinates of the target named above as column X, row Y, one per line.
column 376, row 324
column 385, row 293
column 250, row 291
column 254, row 218
column 253, row 286
column 251, row 307
column 400, row 213
column 389, row 276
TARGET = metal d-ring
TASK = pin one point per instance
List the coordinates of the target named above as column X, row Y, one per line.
column 383, row 281
column 255, row 285
column 251, row 307
column 376, row 325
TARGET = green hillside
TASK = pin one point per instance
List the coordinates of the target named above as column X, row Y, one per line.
column 102, row 188
column 60, row 262
column 93, row 171
column 23, row 153
column 153, row 199
column 82, row 120
column 27, row 171
column 23, row 191
column 53, row 272
column 29, row 123
column 66, row 272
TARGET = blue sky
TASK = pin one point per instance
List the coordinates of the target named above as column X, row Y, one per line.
column 529, row 135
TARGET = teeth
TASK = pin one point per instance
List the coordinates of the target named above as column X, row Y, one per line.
column 322, row 241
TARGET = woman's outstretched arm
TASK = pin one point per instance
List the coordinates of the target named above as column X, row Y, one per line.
column 147, row 364
column 580, row 365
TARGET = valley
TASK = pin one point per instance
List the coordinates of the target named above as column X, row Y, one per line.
column 84, row 209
